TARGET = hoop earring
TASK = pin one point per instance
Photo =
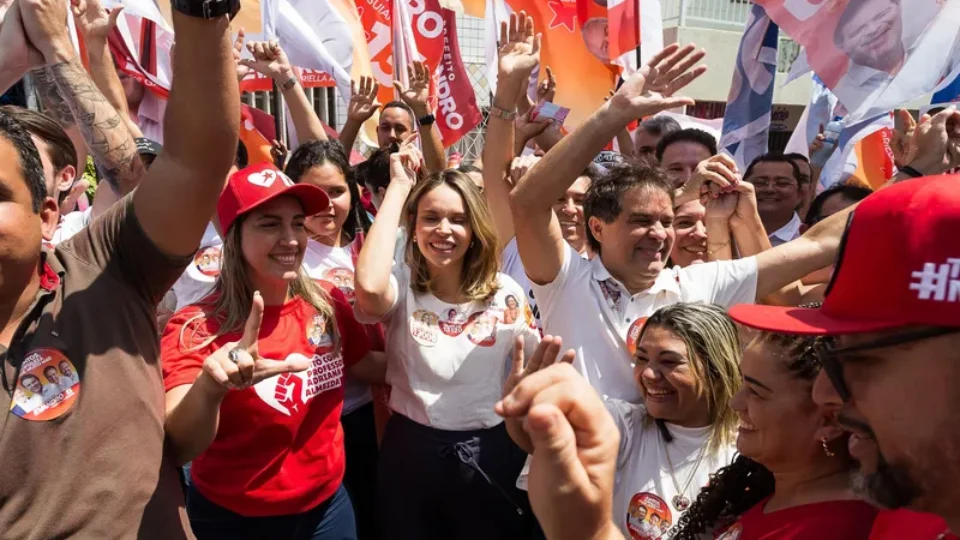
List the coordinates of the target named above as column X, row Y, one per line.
column 826, row 449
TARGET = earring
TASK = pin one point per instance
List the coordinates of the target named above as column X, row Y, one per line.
column 826, row 449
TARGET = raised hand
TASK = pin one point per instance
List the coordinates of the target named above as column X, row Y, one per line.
column 902, row 142
column 519, row 51
column 406, row 163
column 363, row 99
column 713, row 176
column 279, row 152
column 16, row 51
column 520, row 166
column 95, row 21
column 937, row 142
column 547, row 89
column 242, row 70
column 268, row 59
column 417, row 95
column 238, row 365
column 46, row 29
column 546, row 354
column 527, row 129
column 651, row 89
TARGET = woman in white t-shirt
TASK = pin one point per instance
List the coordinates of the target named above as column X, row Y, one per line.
column 447, row 465
column 336, row 235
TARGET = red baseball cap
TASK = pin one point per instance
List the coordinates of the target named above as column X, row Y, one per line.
column 258, row 184
column 899, row 265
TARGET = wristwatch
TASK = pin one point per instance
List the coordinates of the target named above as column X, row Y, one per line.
column 207, row 9
column 426, row 120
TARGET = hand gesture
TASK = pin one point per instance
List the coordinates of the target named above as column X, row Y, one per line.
column 520, row 166
column 519, row 49
column 937, row 142
column 363, row 101
column 650, row 90
column 268, row 59
column 244, row 367
column 46, row 28
column 546, row 354
column 242, row 69
column 16, row 51
column 417, row 94
column 713, row 176
column 279, row 152
column 902, row 142
column 575, row 450
column 528, row 129
column 95, row 22
column 547, row 89
column 405, row 164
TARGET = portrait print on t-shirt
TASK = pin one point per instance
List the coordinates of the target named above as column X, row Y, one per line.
column 47, row 387
column 341, row 278
column 648, row 517
column 424, row 327
column 206, row 264
column 317, row 332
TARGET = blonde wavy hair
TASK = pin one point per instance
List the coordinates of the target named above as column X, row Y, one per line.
column 714, row 354
column 481, row 262
column 233, row 294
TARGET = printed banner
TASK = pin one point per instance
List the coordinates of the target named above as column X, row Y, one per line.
column 874, row 55
column 457, row 110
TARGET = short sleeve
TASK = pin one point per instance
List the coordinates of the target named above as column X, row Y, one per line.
column 623, row 417
column 116, row 244
column 399, row 283
column 180, row 351
column 548, row 295
column 354, row 341
column 725, row 283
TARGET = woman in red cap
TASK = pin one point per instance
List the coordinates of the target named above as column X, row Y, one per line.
column 255, row 372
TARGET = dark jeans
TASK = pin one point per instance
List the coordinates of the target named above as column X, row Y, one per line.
column 456, row 485
column 331, row 520
column 360, row 442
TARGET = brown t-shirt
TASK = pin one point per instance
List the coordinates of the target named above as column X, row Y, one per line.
column 82, row 442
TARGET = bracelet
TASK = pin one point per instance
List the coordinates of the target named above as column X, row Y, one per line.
column 721, row 246
column 289, row 83
column 502, row 114
column 911, row 172
column 426, row 120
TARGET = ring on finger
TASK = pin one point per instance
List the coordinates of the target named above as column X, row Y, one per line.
column 234, row 355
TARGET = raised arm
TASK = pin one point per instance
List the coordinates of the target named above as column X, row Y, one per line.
column 417, row 97
column 374, row 296
column 518, row 55
column 363, row 103
column 17, row 54
column 647, row 92
column 270, row 60
column 203, row 120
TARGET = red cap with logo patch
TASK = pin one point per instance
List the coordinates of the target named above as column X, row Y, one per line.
column 249, row 188
column 899, row 265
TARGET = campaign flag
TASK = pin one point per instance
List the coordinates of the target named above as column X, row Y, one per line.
column 948, row 92
column 874, row 55
column 457, row 110
column 863, row 154
column 296, row 32
column 817, row 114
column 257, row 129
column 573, row 49
column 746, row 123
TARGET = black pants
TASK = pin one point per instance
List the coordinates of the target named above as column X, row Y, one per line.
column 457, row 485
column 360, row 442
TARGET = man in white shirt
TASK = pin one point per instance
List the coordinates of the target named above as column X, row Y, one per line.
column 776, row 179
column 595, row 305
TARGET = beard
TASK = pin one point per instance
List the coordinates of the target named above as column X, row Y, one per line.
column 890, row 486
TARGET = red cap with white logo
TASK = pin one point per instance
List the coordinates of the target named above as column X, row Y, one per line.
column 251, row 187
column 899, row 265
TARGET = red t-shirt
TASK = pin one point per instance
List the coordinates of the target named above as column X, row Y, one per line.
column 908, row 525
column 279, row 445
column 834, row 520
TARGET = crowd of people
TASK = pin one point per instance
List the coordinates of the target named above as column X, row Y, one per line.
column 555, row 341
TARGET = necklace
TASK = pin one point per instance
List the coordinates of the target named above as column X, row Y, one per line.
column 680, row 501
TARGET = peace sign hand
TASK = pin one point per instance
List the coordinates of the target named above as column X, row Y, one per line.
column 238, row 365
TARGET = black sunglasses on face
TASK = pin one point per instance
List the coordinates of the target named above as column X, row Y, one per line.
column 830, row 355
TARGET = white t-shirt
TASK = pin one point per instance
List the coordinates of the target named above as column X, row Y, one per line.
column 197, row 280
column 446, row 363
column 72, row 223
column 790, row 231
column 643, row 493
column 335, row 266
column 599, row 319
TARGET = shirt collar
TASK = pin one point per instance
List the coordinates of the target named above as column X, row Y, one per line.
column 668, row 279
column 789, row 231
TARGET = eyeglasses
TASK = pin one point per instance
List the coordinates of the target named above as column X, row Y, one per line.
column 830, row 355
column 779, row 183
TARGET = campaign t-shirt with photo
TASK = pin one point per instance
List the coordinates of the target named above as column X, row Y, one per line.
column 279, row 445
column 335, row 266
column 198, row 279
column 446, row 363
column 830, row 520
column 644, row 490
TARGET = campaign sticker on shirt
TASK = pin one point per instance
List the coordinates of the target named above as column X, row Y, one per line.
column 512, row 312
column 317, row 332
column 455, row 323
column 47, row 387
column 633, row 334
column 733, row 533
column 648, row 517
column 424, row 327
column 207, row 261
column 341, row 278
column 482, row 329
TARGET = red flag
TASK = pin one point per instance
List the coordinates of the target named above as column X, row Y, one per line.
column 457, row 110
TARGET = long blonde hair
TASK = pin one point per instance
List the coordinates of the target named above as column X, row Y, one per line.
column 713, row 348
column 233, row 294
column 481, row 262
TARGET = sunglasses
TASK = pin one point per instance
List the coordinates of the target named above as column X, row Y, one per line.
column 830, row 355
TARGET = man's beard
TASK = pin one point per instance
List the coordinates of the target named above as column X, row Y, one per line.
column 890, row 486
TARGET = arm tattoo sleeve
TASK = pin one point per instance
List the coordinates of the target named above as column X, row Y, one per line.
column 53, row 103
column 110, row 142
